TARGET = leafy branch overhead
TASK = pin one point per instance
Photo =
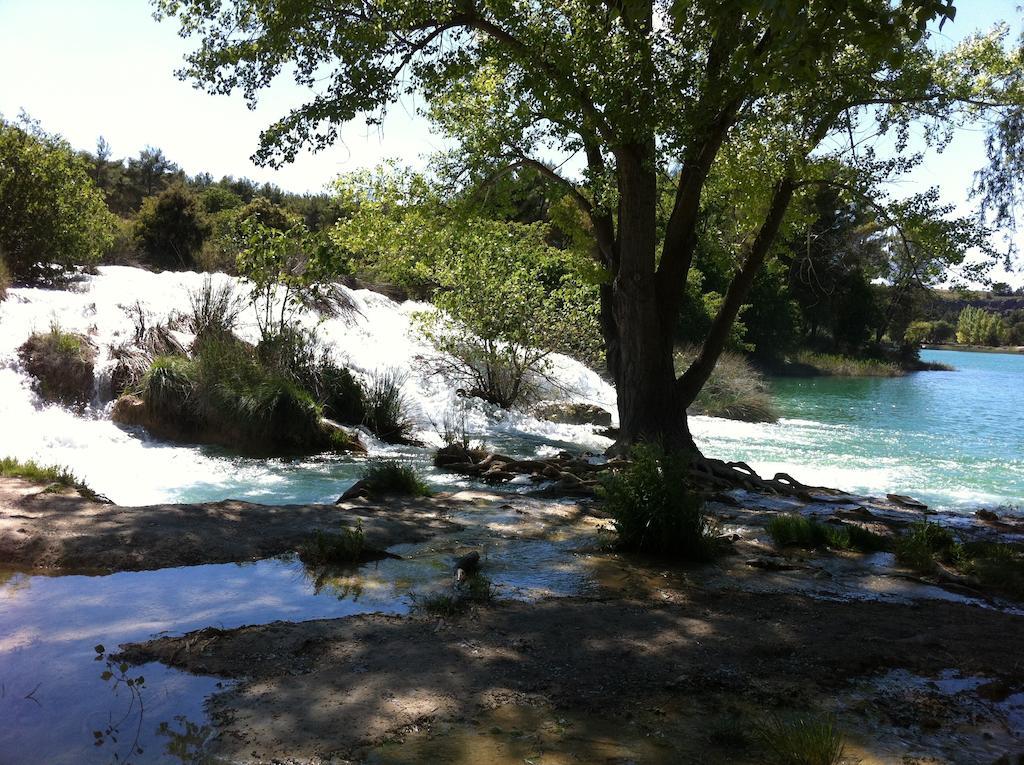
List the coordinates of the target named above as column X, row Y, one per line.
column 667, row 124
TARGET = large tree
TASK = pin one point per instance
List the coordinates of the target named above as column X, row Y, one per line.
column 770, row 96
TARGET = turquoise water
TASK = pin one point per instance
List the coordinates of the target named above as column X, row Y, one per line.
column 953, row 439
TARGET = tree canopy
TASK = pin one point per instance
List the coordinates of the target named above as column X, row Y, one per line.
column 52, row 217
column 646, row 114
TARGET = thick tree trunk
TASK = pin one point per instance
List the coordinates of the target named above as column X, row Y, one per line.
column 648, row 400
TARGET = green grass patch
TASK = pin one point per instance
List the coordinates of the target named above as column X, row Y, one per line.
column 995, row 565
column 347, row 547
column 801, row 741
column 792, row 530
column 477, row 590
column 391, row 477
column 51, row 476
column 923, row 544
column 656, row 509
column 835, row 365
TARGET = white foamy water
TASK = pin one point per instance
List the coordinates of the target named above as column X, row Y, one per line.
column 132, row 468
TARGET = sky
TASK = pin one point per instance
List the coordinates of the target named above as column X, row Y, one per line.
column 106, row 67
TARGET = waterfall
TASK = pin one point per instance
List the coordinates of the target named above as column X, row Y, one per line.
column 376, row 334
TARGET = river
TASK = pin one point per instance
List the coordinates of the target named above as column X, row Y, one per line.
column 953, row 439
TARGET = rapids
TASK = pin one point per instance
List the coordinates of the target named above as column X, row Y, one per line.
column 952, row 438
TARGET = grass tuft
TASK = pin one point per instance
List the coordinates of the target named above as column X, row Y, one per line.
column 655, row 508
column 214, row 310
column 385, row 477
column 387, row 407
column 801, row 741
column 735, row 390
column 45, row 475
column 923, row 544
column 475, row 591
column 335, row 549
column 792, row 530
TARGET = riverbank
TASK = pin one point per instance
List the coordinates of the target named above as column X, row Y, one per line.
column 60, row 532
column 574, row 641
column 1014, row 349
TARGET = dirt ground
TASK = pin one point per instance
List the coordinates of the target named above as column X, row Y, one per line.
column 62, row 533
column 328, row 690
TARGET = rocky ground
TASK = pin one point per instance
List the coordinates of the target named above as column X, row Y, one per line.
column 63, row 533
column 649, row 663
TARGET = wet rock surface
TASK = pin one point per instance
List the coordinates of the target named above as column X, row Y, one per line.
column 64, row 533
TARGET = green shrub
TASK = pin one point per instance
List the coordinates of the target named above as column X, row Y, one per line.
column 335, row 549
column 47, row 475
column 923, row 544
column 735, row 390
column 392, row 477
column 386, row 407
column 655, row 509
column 801, row 741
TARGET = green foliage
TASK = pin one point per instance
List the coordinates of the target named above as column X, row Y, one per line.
column 846, row 366
column 976, row 326
column 5, row 278
column 477, row 590
column 735, row 390
column 506, row 297
column 46, row 475
column 391, row 477
column 801, row 741
column 791, row 530
column 54, row 218
column 997, row 566
column 214, row 310
column 171, row 228
column 923, row 544
column 746, row 106
column 656, row 509
column 335, row 549
column 387, row 407
column 62, row 365
column 287, row 270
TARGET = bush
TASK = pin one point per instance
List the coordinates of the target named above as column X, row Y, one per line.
column 171, row 228
column 47, row 475
column 393, row 477
column 62, row 365
column 54, row 218
column 655, row 509
column 214, row 310
column 386, row 407
column 735, row 390
column 801, row 741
